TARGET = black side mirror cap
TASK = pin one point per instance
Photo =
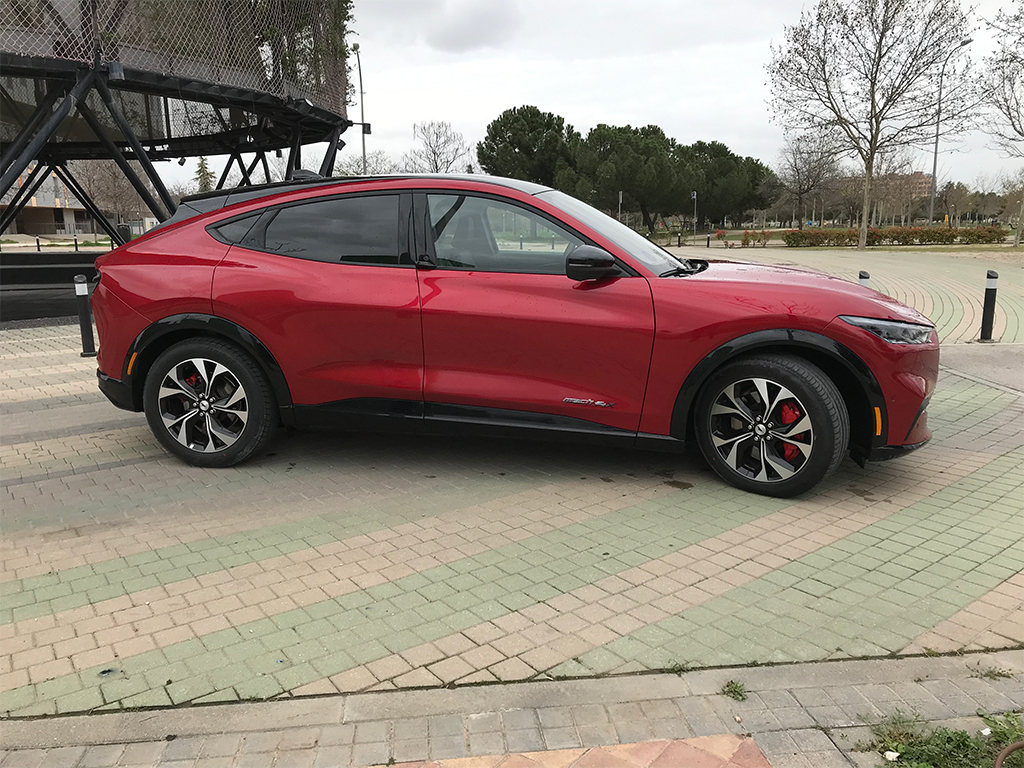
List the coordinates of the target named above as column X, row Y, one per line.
column 590, row 263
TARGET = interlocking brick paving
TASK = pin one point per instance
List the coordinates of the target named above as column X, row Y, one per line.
column 337, row 563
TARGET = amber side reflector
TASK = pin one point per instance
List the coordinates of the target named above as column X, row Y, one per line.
column 878, row 413
column 132, row 362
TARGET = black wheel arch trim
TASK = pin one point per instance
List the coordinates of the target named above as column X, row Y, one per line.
column 206, row 325
column 778, row 339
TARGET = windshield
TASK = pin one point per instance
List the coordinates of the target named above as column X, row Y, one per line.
column 656, row 258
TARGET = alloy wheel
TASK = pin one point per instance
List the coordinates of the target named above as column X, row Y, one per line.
column 203, row 405
column 761, row 430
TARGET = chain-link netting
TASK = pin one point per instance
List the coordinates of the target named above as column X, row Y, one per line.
column 294, row 49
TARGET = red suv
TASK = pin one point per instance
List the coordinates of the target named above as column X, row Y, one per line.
column 498, row 307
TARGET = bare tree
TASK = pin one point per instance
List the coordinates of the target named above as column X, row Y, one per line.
column 378, row 163
column 1013, row 188
column 103, row 181
column 1004, row 82
column 442, row 149
column 868, row 70
column 807, row 162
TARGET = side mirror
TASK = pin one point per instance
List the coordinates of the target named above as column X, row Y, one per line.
column 590, row 263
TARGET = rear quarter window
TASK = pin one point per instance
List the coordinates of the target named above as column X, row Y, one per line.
column 352, row 230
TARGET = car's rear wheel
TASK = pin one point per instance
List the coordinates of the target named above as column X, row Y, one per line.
column 772, row 424
column 209, row 403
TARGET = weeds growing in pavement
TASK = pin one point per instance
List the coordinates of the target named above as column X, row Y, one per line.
column 989, row 673
column 920, row 746
column 735, row 690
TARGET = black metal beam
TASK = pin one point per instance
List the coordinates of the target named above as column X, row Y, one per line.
column 65, row 175
column 334, row 144
column 253, row 164
column 224, row 175
column 246, row 179
column 294, row 155
column 31, row 150
column 115, row 153
column 30, row 184
column 34, row 181
column 136, row 145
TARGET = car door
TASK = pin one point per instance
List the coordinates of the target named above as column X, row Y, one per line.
column 508, row 335
column 329, row 286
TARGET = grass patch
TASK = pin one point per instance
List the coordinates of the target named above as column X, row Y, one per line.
column 735, row 690
column 920, row 746
column 989, row 673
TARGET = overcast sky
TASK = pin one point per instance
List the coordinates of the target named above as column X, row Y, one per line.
column 697, row 69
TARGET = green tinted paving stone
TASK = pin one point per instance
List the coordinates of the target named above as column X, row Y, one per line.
column 900, row 604
column 246, row 547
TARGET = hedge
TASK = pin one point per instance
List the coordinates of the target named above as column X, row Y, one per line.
column 895, row 236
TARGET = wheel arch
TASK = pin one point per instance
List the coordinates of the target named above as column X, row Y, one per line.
column 856, row 383
column 164, row 333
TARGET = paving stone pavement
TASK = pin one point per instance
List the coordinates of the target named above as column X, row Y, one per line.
column 343, row 564
column 794, row 716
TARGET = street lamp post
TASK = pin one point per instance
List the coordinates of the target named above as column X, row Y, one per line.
column 362, row 116
column 693, row 195
column 938, row 119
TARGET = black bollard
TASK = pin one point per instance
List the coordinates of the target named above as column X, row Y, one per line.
column 38, row 246
column 84, row 316
column 988, row 312
column 864, row 279
column 76, row 242
column 709, row 241
column 520, row 242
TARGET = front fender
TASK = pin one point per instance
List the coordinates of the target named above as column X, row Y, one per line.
column 819, row 349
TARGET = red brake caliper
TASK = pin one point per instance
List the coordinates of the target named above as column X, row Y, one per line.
column 789, row 413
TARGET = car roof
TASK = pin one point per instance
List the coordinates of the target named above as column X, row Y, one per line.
column 204, row 202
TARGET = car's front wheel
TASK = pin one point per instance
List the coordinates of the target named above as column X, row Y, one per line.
column 772, row 424
column 209, row 403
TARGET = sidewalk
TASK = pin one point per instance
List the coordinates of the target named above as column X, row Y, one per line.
column 795, row 716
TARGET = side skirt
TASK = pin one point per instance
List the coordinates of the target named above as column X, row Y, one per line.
column 411, row 416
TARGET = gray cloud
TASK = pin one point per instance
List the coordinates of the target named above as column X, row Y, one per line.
column 466, row 25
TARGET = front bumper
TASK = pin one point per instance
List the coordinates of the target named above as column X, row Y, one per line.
column 117, row 392
column 887, row 452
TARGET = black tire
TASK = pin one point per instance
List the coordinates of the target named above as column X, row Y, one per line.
column 772, row 424
column 218, row 428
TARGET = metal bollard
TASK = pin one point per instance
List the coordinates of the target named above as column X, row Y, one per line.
column 864, row 279
column 679, row 239
column 84, row 316
column 552, row 242
column 520, row 242
column 38, row 246
column 988, row 312
column 709, row 241
column 76, row 242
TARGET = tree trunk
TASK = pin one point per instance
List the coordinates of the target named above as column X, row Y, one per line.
column 648, row 221
column 865, row 211
column 1020, row 222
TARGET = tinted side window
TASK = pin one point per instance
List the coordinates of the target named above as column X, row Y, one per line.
column 234, row 231
column 357, row 230
column 490, row 235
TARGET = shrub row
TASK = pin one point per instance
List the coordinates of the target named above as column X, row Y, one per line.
column 895, row 236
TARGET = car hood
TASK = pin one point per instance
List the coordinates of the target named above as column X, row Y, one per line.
column 843, row 297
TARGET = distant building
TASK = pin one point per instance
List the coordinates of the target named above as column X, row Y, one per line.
column 920, row 184
column 52, row 210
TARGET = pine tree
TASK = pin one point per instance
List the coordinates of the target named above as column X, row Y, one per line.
column 204, row 176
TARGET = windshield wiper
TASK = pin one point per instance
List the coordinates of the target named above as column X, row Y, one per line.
column 688, row 268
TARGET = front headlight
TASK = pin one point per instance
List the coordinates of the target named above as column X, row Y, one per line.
column 892, row 331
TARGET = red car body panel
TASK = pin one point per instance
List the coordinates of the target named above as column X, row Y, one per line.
column 622, row 348
column 339, row 331
column 528, row 342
